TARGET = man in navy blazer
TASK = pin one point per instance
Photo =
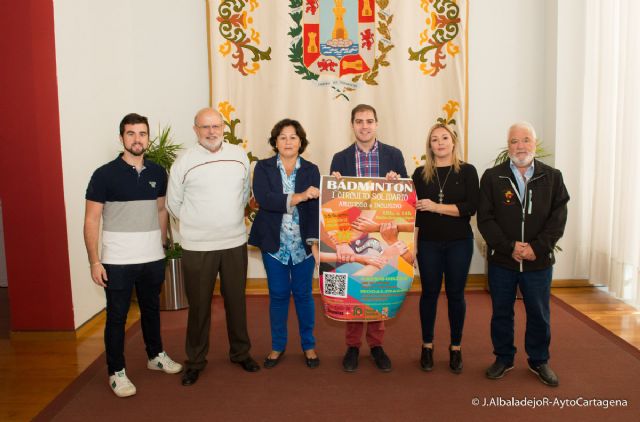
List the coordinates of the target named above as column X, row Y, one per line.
column 366, row 157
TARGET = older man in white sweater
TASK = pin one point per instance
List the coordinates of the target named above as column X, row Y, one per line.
column 208, row 191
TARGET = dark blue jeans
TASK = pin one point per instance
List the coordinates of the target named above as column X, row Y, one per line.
column 147, row 279
column 283, row 281
column 450, row 259
column 536, row 291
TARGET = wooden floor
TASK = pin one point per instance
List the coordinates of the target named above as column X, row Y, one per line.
column 36, row 367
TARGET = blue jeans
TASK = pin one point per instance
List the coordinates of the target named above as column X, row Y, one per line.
column 283, row 280
column 536, row 291
column 451, row 259
column 147, row 279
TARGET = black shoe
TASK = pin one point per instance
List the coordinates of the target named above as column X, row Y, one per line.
column 546, row 374
column 426, row 359
column 455, row 360
column 190, row 376
column 498, row 369
column 312, row 363
column 381, row 359
column 249, row 365
column 350, row 361
column 271, row 363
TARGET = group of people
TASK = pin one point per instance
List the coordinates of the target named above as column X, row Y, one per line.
column 208, row 189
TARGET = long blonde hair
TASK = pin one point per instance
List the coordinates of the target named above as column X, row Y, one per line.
column 429, row 170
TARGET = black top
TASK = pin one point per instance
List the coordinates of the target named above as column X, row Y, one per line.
column 460, row 189
column 118, row 181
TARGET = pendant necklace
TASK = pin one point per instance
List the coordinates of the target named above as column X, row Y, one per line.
column 441, row 187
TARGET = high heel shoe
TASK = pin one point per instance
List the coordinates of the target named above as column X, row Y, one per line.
column 271, row 363
column 312, row 363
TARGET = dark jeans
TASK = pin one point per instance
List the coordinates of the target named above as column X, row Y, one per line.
column 536, row 291
column 284, row 281
column 147, row 279
column 450, row 259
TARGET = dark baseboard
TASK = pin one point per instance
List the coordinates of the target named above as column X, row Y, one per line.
column 258, row 286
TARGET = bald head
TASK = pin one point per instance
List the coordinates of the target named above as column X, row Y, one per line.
column 209, row 127
column 207, row 111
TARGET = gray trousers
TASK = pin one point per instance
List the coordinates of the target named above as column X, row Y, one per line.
column 200, row 272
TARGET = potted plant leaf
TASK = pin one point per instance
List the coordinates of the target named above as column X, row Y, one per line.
column 163, row 151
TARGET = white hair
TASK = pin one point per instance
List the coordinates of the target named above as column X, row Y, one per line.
column 522, row 125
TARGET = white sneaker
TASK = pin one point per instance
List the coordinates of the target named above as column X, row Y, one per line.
column 163, row 362
column 121, row 385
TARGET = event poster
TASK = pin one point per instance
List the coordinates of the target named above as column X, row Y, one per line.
column 367, row 246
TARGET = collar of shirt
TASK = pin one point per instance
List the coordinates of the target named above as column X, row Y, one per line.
column 281, row 166
column 520, row 179
column 373, row 149
column 129, row 166
column 286, row 179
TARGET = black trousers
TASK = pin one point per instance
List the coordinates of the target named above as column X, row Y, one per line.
column 200, row 272
column 147, row 279
column 450, row 259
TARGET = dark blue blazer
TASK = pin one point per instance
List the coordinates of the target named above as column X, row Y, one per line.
column 390, row 160
column 267, row 189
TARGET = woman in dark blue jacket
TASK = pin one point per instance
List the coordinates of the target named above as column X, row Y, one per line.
column 286, row 231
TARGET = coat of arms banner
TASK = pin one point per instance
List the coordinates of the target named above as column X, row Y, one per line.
column 314, row 60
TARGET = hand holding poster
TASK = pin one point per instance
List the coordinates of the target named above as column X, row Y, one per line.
column 366, row 246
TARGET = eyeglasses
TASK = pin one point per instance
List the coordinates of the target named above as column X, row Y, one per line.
column 207, row 127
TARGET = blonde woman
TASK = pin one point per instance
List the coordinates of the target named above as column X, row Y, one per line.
column 448, row 192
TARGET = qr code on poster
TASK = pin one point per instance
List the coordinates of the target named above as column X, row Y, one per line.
column 335, row 284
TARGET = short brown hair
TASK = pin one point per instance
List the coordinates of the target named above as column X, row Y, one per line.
column 363, row 107
column 133, row 119
column 275, row 132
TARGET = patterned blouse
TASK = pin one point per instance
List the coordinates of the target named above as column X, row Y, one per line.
column 291, row 244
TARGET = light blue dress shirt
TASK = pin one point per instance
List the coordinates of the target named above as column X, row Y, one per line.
column 520, row 180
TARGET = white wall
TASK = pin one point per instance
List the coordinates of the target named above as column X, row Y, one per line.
column 522, row 66
column 114, row 58
column 150, row 57
column 506, row 79
column 568, row 99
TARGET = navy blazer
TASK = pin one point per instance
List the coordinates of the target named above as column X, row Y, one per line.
column 267, row 189
column 391, row 159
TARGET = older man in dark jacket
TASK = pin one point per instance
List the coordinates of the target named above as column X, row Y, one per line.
column 521, row 215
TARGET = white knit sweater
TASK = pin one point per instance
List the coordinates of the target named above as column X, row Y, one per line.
column 208, row 193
